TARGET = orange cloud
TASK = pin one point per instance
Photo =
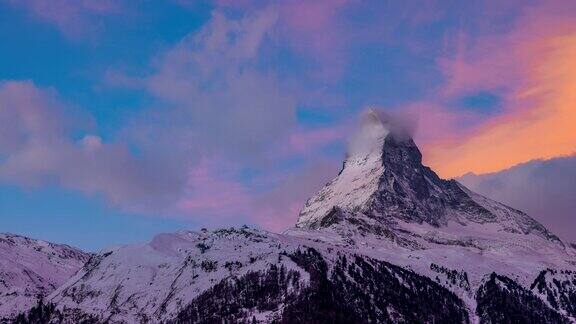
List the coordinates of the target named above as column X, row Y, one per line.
column 538, row 123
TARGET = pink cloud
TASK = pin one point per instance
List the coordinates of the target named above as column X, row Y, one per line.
column 215, row 194
column 312, row 25
column 210, row 191
column 219, row 104
column 277, row 215
column 306, row 141
column 315, row 29
column 499, row 61
column 38, row 148
column 278, row 209
column 530, row 69
column 241, row 4
column 436, row 121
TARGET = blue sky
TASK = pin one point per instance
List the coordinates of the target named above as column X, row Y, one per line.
column 128, row 118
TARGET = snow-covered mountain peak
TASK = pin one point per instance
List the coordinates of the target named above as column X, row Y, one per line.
column 380, row 138
column 386, row 230
column 384, row 183
column 381, row 157
column 386, row 241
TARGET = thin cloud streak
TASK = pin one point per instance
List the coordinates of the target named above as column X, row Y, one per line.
column 74, row 18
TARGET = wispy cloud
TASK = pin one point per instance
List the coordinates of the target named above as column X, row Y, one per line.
column 215, row 196
column 313, row 29
column 213, row 192
column 214, row 90
column 217, row 112
column 72, row 17
column 543, row 189
column 278, row 208
column 532, row 70
column 40, row 146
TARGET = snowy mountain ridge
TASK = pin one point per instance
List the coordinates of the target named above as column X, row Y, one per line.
column 30, row 268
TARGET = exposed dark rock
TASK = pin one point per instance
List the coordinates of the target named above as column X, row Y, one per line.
column 413, row 192
column 334, row 216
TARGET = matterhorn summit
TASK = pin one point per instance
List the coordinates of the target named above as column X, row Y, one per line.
column 383, row 179
column 358, row 179
column 387, row 240
column 386, row 201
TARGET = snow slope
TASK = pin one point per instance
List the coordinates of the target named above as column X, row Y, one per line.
column 358, row 179
column 238, row 275
column 154, row 281
column 30, row 268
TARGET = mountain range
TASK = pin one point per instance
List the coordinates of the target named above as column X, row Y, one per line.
column 387, row 240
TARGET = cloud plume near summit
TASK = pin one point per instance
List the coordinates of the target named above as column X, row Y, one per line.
column 374, row 125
